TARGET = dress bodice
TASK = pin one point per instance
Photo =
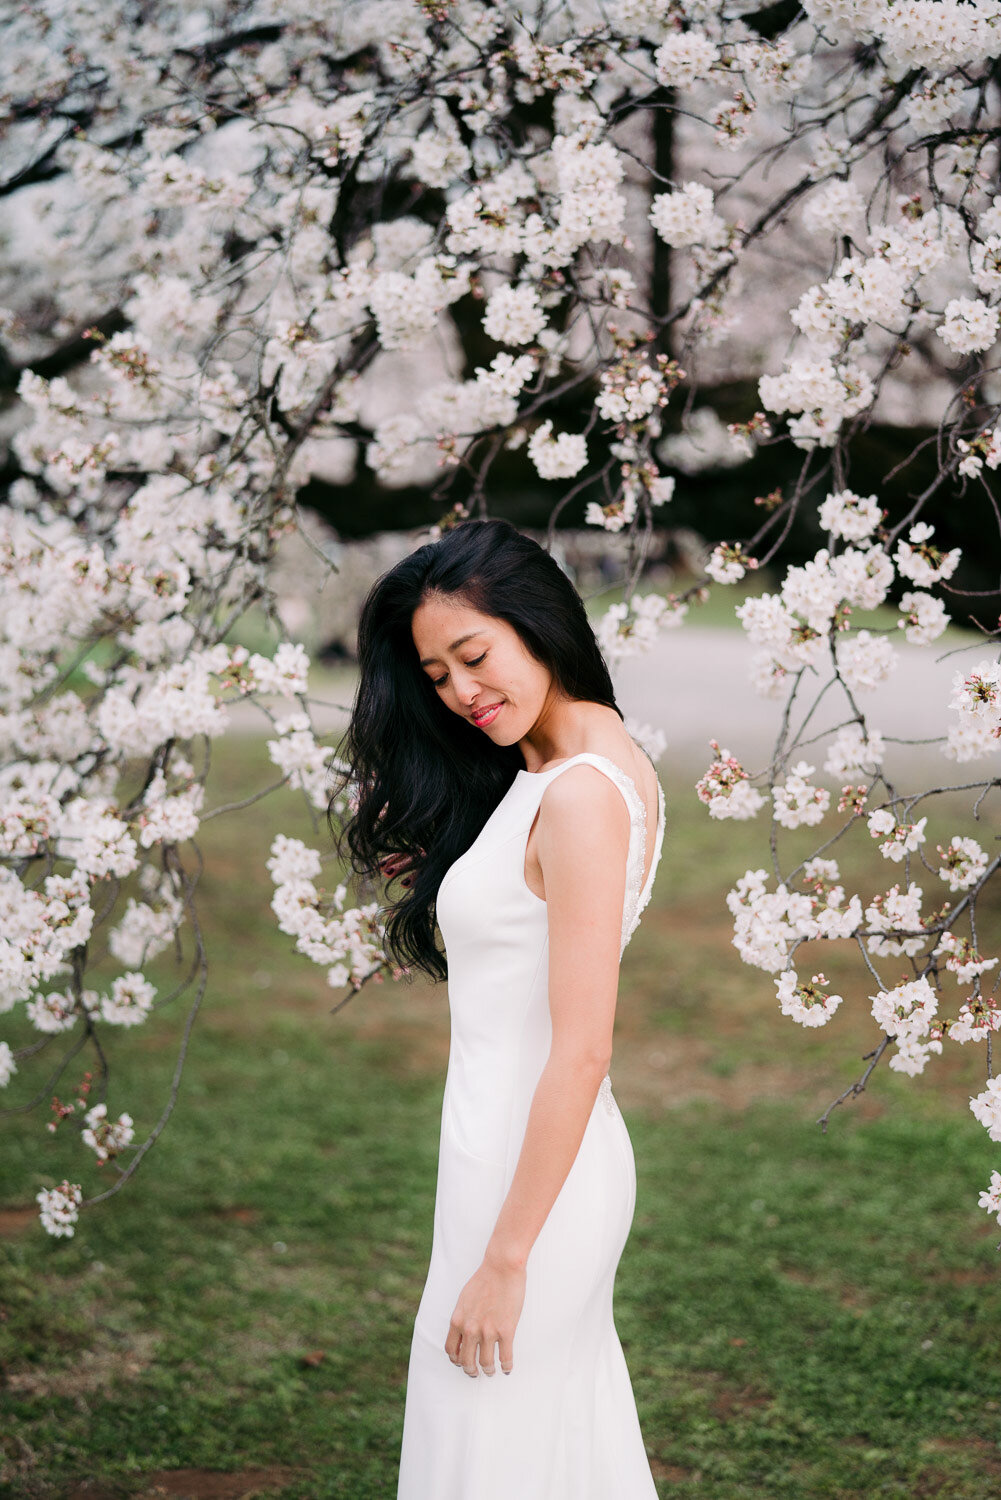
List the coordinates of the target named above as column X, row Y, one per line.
column 496, row 932
column 515, row 814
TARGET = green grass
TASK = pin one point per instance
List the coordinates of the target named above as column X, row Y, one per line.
column 804, row 1315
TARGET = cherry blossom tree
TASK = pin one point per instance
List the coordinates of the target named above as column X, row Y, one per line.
column 226, row 224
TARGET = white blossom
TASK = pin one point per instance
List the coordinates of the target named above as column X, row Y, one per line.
column 898, row 838
column 59, row 1208
column 683, row 58
column 797, row 801
column 831, row 207
column 963, row 863
column 922, row 562
column 865, row 660
column 977, row 694
column 728, row 564
column 990, row 1198
column 962, row 959
column 8, row 1066
column 970, row 325
column 924, row 618
column 896, row 912
column 292, row 860
column 630, row 629
column 146, row 928
column 810, row 1004
column 767, row 923
column 300, row 758
column 106, row 1137
column 850, row 516
column 976, row 1021
column 768, row 676
column 54, row 1012
column 390, row 452
column 906, row 1011
column 824, row 393
column 129, row 1002
column 855, row 752
column 686, row 217
column 513, row 315
column 559, row 457
column 726, row 790
column 986, row 257
column 970, row 739
column 986, row 1108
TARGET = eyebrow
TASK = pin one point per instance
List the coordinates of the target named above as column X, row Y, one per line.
column 426, row 661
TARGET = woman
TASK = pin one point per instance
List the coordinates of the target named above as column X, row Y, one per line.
column 495, row 768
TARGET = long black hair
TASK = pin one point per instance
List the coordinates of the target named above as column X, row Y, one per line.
column 427, row 780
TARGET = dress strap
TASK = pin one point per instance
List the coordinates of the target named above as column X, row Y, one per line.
column 615, row 773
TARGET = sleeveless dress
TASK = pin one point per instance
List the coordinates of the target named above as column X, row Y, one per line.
column 563, row 1424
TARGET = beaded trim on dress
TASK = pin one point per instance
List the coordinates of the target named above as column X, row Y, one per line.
column 636, row 897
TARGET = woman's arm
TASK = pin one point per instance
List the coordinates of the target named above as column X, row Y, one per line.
column 583, row 842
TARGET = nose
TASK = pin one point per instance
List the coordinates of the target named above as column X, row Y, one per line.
column 466, row 685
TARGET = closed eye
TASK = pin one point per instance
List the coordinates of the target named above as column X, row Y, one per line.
column 440, row 681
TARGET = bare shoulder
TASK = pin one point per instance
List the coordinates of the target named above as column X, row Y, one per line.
column 581, row 795
column 583, row 843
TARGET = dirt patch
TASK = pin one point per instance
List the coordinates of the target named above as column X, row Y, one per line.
column 987, row 1455
column 207, row 1484
column 657, row 1073
column 730, row 1402
column 727, row 1401
column 853, row 1298
column 92, row 1370
column 673, row 1473
column 89, row 1490
column 14, row 1221
column 968, row 1275
column 196, row 1484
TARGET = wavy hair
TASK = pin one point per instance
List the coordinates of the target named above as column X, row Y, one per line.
column 427, row 780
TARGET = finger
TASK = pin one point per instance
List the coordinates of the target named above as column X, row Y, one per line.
column 452, row 1342
column 467, row 1351
column 505, row 1349
column 487, row 1343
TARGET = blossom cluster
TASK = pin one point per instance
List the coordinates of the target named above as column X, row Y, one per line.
column 344, row 940
column 726, row 788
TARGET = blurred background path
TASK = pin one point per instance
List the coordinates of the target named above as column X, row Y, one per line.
column 694, row 685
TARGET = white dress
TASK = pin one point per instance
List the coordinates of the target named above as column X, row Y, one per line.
column 563, row 1424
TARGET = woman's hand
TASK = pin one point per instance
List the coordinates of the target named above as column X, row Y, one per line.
column 395, row 864
column 487, row 1313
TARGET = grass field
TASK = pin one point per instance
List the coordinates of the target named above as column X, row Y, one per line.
column 804, row 1315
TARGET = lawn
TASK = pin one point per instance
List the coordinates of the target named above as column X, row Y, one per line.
column 804, row 1315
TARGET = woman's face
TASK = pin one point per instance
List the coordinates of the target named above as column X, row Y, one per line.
column 480, row 668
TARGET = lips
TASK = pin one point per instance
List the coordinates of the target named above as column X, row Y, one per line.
column 482, row 717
